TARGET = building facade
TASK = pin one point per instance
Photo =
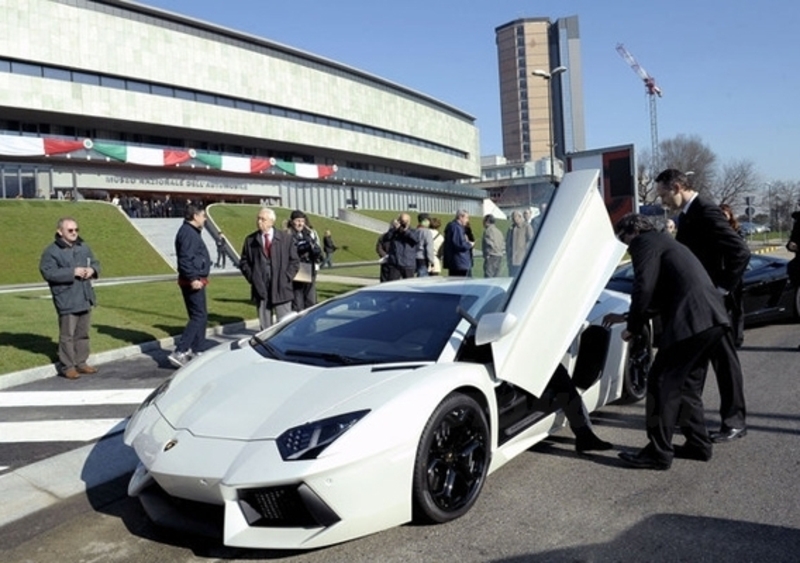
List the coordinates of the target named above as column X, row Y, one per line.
column 107, row 96
column 527, row 101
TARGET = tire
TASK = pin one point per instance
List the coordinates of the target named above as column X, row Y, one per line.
column 640, row 358
column 452, row 460
column 797, row 304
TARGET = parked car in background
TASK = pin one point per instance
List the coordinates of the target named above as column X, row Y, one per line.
column 749, row 228
column 766, row 292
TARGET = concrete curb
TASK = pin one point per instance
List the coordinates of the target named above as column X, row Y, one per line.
column 42, row 372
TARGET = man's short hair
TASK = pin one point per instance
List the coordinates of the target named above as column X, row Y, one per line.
column 489, row 219
column 191, row 211
column 633, row 223
column 672, row 176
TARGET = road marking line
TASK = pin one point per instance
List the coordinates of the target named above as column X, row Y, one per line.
column 59, row 430
column 73, row 398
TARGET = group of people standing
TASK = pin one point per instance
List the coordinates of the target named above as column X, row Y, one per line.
column 406, row 252
column 279, row 264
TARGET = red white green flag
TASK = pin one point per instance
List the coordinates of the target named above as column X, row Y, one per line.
column 305, row 170
column 14, row 145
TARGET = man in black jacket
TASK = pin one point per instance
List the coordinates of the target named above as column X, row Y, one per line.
column 269, row 262
column 69, row 266
column 703, row 228
column 671, row 282
column 194, row 264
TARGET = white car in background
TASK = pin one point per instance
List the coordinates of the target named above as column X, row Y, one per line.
column 388, row 404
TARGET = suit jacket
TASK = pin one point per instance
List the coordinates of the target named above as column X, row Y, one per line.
column 671, row 281
column 723, row 253
column 279, row 270
column 457, row 249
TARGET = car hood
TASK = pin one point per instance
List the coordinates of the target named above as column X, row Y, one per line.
column 241, row 395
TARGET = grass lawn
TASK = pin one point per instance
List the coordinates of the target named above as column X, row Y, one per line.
column 30, row 225
column 239, row 220
column 126, row 314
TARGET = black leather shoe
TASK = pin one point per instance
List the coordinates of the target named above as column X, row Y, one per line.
column 728, row 434
column 590, row 442
column 692, row 452
column 641, row 460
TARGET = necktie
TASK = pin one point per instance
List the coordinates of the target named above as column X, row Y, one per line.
column 267, row 244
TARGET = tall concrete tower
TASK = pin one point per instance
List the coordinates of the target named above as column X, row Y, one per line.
column 527, row 101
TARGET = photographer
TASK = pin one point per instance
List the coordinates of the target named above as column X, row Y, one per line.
column 402, row 242
column 306, row 242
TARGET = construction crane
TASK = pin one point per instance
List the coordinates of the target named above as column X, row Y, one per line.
column 652, row 90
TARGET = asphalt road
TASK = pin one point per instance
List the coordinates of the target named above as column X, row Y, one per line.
column 547, row 505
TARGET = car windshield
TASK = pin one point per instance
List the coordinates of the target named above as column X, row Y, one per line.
column 369, row 327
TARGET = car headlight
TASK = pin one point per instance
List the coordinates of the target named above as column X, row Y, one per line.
column 309, row 440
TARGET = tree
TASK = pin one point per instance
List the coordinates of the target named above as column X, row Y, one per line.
column 780, row 199
column 690, row 155
column 645, row 187
column 737, row 180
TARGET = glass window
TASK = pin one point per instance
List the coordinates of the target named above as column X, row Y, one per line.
column 136, row 86
column 162, row 91
column 206, row 98
column 370, row 327
column 5, row 66
column 224, row 101
column 111, row 82
column 86, row 78
column 185, row 94
column 57, row 73
column 26, row 69
column 246, row 106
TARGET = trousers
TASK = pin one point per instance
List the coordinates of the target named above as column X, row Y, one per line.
column 195, row 332
column 73, row 339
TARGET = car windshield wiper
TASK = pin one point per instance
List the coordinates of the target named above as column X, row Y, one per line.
column 274, row 352
column 328, row 356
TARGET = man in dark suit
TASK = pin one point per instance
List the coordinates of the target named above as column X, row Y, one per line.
column 671, row 282
column 269, row 263
column 703, row 228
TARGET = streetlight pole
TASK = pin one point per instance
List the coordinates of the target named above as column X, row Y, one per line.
column 548, row 76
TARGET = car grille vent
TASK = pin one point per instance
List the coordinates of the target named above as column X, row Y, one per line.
column 292, row 506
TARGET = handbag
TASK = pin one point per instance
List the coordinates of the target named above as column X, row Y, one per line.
column 304, row 273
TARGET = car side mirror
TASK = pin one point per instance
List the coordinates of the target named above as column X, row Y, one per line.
column 494, row 326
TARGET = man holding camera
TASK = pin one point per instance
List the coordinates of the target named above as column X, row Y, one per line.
column 402, row 242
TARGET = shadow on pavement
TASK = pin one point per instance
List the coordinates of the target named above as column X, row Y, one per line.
column 676, row 537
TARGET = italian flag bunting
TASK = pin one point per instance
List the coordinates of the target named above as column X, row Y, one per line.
column 14, row 145
column 305, row 170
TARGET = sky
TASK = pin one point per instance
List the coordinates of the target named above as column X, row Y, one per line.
column 729, row 69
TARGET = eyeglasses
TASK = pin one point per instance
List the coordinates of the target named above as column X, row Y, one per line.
column 72, row 230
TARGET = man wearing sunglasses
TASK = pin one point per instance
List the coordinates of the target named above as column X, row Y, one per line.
column 69, row 266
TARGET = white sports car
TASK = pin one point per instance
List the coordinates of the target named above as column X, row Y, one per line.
column 388, row 404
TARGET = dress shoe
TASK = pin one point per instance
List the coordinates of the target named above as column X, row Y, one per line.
column 71, row 373
column 696, row 453
column 641, row 460
column 728, row 434
column 590, row 442
column 86, row 368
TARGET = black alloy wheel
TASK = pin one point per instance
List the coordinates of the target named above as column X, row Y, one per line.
column 640, row 358
column 452, row 460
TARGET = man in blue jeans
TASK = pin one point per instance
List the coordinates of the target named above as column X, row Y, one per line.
column 194, row 265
